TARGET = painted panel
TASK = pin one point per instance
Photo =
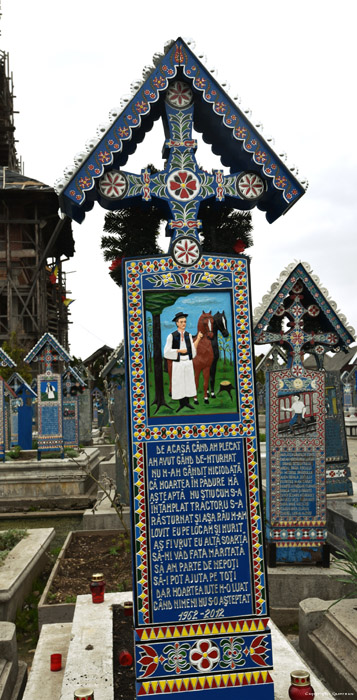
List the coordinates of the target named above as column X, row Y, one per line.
column 195, row 482
column 296, row 478
column 50, row 431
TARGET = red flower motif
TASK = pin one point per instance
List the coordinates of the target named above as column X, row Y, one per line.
column 258, row 652
column 183, row 184
column 84, row 182
column 104, row 156
column 220, row 106
column 204, row 655
column 141, row 106
column 240, row 132
column 159, row 82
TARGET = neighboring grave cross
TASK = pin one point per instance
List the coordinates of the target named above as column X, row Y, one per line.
column 182, row 185
column 48, row 357
column 5, row 359
column 47, row 350
column 296, row 337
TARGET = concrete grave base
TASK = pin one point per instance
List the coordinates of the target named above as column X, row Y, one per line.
column 21, row 567
column 105, row 518
column 42, row 682
column 48, row 480
column 87, row 645
column 341, row 520
column 289, row 585
column 13, row 673
column 329, row 637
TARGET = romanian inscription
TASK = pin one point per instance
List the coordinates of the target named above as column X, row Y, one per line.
column 70, row 423
column 49, row 419
column 198, row 526
column 297, row 485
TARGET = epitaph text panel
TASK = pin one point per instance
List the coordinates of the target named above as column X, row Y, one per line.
column 199, row 575
column 199, row 530
column 296, row 477
column 50, row 430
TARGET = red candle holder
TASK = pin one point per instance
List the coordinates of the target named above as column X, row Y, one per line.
column 56, row 662
column 300, row 688
column 128, row 608
column 125, row 658
column 84, row 694
column 97, row 588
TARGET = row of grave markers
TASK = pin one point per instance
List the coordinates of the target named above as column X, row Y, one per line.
column 57, row 402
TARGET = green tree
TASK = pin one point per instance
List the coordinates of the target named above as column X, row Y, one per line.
column 17, row 354
column 132, row 233
column 225, row 230
column 156, row 302
column 225, row 346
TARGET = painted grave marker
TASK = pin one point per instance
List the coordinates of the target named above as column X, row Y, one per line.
column 73, row 386
column 49, row 392
column 98, row 407
column 200, row 587
column 338, row 472
column 24, row 415
column 296, row 414
column 200, row 584
column 296, row 477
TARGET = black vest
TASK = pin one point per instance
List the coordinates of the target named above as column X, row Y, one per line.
column 176, row 342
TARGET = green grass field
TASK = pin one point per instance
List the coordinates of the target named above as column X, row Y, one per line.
column 223, row 403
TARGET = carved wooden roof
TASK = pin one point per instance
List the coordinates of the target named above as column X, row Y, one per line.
column 237, row 142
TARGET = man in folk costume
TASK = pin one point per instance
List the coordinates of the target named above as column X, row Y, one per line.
column 181, row 349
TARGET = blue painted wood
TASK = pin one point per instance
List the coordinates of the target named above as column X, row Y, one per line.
column 50, row 421
column 295, row 463
column 241, row 146
column 200, row 597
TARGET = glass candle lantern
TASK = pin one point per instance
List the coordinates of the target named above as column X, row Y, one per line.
column 97, row 588
column 128, row 608
column 56, row 662
column 84, row 694
column 300, row 688
column 125, row 658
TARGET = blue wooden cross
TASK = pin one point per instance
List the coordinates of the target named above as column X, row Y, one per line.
column 182, row 185
column 296, row 337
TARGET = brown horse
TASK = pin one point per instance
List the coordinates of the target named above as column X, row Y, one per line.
column 204, row 357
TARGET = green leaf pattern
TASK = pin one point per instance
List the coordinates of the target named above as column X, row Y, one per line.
column 135, row 185
column 183, row 212
column 206, row 182
column 230, row 185
column 182, row 160
column 159, row 185
column 175, row 280
column 181, row 126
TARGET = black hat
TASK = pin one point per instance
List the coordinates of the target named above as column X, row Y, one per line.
column 179, row 315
